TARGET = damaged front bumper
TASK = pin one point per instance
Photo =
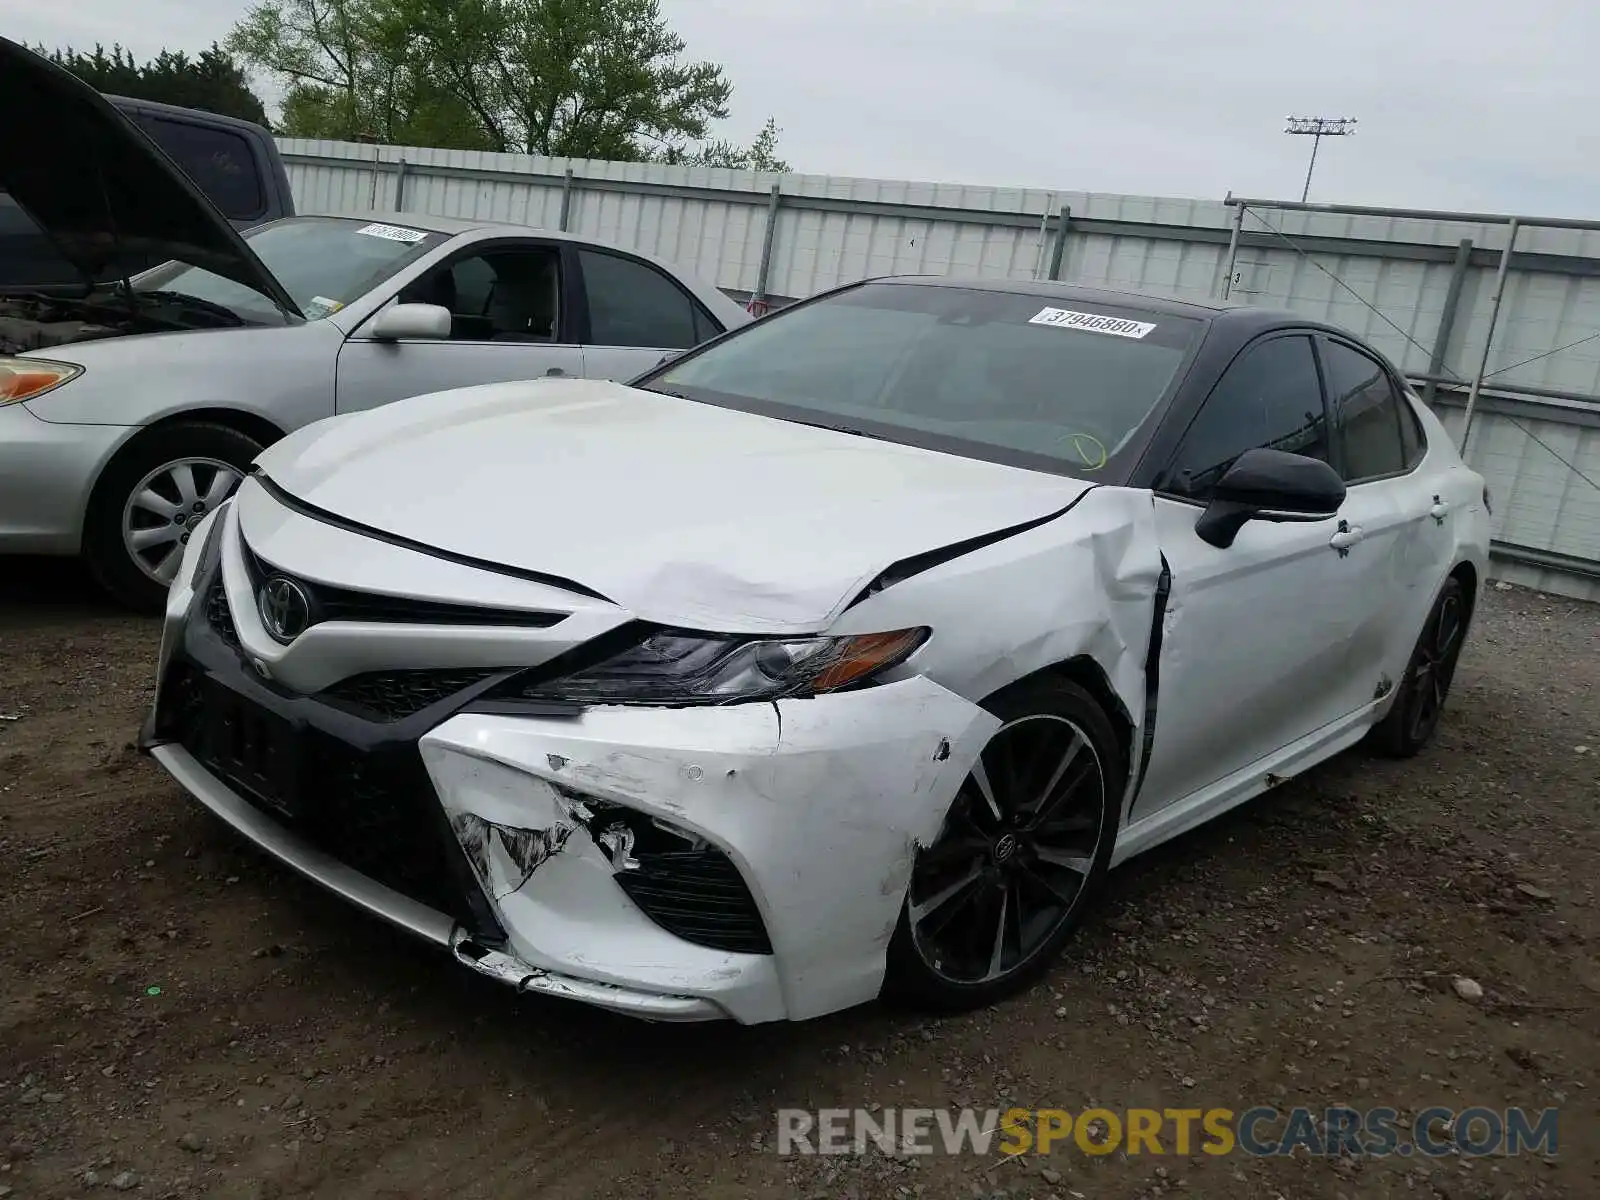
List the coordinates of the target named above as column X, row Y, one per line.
column 415, row 918
column 745, row 861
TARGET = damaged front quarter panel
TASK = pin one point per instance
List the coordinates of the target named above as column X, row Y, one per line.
column 1082, row 586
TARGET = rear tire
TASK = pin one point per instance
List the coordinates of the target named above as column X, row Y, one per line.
column 1412, row 719
column 150, row 496
column 1020, row 857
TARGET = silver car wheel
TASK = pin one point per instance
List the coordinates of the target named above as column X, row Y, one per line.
column 166, row 505
column 1011, row 864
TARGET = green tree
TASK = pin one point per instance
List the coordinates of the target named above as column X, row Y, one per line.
column 581, row 78
column 759, row 155
column 213, row 82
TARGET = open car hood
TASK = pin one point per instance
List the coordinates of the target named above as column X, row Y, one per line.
column 685, row 514
column 104, row 193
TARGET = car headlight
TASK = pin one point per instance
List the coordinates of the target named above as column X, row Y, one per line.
column 676, row 667
column 24, row 378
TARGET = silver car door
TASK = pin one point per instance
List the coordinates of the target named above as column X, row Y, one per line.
column 1254, row 648
column 511, row 317
column 1404, row 547
column 638, row 315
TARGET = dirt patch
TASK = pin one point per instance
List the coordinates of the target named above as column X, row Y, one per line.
column 179, row 1016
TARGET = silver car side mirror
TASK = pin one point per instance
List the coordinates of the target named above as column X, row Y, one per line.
column 411, row 322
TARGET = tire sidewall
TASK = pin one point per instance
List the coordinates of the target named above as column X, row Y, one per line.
column 103, row 549
column 907, row 978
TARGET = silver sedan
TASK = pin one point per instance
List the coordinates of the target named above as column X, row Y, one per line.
column 115, row 446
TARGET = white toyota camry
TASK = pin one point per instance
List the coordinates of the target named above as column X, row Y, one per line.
column 841, row 656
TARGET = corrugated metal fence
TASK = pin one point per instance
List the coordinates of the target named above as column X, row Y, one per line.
column 1429, row 289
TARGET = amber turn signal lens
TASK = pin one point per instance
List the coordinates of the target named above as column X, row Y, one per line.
column 865, row 654
column 24, row 378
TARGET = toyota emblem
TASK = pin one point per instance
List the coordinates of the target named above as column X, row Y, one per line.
column 285, row 608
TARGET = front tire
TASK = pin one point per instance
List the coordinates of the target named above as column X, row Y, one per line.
column 149, row 498
column 1022, row 852
column 1411, row 720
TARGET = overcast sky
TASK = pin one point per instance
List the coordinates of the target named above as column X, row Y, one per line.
column 1462, row 103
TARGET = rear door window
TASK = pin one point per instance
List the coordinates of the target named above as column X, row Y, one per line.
column 220, row 161
column 1366, row 414
column 633, row 304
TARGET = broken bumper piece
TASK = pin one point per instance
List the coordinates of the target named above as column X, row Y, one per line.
column 417, row 919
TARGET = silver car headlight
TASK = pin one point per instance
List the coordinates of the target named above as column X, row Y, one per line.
column 676, row 667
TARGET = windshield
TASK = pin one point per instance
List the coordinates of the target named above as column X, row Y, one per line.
column 323, row 263
column 1050, row 384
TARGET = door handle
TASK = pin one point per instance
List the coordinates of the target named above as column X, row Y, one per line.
column 555, row 371
column 1346, row 537
column 1438, row 511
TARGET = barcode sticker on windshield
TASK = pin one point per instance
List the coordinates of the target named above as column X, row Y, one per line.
column 1092, row 322
column 394, row 233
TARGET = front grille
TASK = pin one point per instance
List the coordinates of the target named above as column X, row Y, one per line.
column 700, row 896
column 330, row 603
column 373, row 810
column 394, row 695
column 382, row 818
column 218, row 615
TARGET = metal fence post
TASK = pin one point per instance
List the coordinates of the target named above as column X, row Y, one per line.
column 1488, row 336
column 566, row 200
column 1058, row 249
column 400, row 186
column 1233, row 252
column 764, row 272
column 1447, row 320
column 1044, row 234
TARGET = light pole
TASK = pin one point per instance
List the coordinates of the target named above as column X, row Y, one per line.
column 1317, row 128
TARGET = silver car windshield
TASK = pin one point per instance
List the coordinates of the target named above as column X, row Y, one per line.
column 324, row 263
column 1001, row 375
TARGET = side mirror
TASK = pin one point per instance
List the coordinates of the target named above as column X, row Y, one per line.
column 412, row 321
column 1269, row 485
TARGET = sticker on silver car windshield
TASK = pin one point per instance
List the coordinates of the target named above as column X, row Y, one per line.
column 395, row 233
column 1065, row 318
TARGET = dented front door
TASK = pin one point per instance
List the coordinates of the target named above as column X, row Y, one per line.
column 1256, row 647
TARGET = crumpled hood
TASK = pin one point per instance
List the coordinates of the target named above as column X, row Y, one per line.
column 106, row 195
column 684, row 513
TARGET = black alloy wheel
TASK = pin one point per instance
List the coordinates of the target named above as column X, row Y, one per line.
column 1414, row 716
column 1022, row 850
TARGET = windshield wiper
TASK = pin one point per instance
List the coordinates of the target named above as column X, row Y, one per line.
column 192, row 303
column 852, row 430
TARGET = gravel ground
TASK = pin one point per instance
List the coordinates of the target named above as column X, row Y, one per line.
column 179, row 1016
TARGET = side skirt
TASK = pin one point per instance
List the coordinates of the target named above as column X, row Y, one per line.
column 1262, row 775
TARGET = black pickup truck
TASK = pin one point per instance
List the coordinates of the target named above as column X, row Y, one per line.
column 235, row 163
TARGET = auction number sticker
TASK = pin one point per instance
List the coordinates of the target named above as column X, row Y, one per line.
column 395, row 233
column 1065, row 318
